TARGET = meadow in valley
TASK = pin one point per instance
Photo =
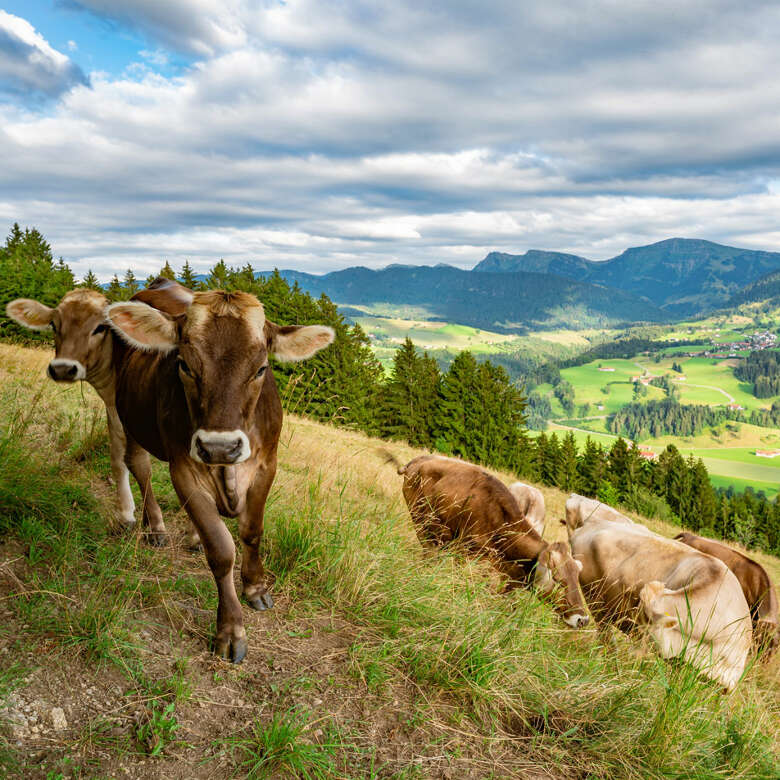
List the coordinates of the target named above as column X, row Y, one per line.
column 377, row 661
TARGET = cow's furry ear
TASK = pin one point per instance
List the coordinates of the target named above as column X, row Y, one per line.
column 291, row 343
column 30, row 313
column 142, row 327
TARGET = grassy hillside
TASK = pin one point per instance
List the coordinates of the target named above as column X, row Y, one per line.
column 377, row 661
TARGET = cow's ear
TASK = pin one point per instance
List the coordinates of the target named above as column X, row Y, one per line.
column 142, row 327
column 290, row 343
column 29, row 313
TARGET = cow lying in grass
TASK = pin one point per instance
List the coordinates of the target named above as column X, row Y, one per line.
column 197, row 391
column 531, row 503
column 84, row 350
column 453, row 501
column 756, row 585
column 580, row 509
column 692, row 603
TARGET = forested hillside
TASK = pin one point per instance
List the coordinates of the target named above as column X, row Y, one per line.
column 680, row 275
column 495, row 301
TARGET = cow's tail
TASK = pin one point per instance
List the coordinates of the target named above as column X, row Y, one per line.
column 390, row 459
column 680, row 537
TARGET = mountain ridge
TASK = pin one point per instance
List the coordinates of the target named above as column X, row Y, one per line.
column 681, row 275
column 497, row 301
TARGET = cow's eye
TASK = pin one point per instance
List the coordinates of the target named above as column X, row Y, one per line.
column 184, row 368
column 100, row 328
column 261, row 371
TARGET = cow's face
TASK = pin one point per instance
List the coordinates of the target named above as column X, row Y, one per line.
column 558, row 578
column 82, row 342
column 223, row 342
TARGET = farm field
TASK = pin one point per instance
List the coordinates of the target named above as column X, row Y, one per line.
column 707, row 381
column 387, row 333
column 729, row 455
column 376, row 662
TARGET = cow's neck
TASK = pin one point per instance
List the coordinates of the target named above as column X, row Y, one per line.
column 103, row 377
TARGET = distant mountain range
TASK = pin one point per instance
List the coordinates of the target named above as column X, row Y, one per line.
column 663, row 281
column 509, row 302
column 684, row 276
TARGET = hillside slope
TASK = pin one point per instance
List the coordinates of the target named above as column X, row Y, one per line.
column 377, row 661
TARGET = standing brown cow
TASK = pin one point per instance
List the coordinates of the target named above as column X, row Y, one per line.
column 84, row 350
column 450, row 500
column 756, row 585
column 196, row 391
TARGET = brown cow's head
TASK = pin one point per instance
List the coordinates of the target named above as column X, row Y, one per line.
column 556, row 566
column 82, row 343
column 223, row 342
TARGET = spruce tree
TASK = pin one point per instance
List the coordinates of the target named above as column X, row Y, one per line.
column 130, row 284
column 90, row 281
column 167, row 272
column 115, row 291
column 187, row 276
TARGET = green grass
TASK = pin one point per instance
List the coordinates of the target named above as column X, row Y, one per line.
column 280, row 748
column 505, row 660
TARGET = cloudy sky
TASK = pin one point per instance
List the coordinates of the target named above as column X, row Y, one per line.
column 318, row 134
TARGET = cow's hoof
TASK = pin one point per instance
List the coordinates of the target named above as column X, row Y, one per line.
column 156, row 538
column 232, row 649
column 261, row 602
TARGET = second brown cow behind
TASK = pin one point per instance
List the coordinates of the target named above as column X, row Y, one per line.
column 453, row 501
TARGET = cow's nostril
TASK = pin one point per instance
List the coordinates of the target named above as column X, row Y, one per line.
column 583, row 621
column 202, row 451
column 72, row 370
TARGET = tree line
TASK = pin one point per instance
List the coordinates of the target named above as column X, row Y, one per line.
column 472, row 410
column 762, row 368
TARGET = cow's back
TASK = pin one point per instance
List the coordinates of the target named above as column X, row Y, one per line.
column 461, row 500
column 752, row 576
column 531, row 503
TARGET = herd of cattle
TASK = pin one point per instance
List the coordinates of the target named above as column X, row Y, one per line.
column 185, row 376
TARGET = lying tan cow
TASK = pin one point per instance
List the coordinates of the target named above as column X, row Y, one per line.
column 451, row 500
column 756, row 585
column 83, row 350
column 691, row 602
column 197, row 391
column 580, row 509
column 531, row 503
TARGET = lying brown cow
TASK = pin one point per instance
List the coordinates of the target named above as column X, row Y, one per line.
column 83, row 350
column 691, row 602
column 197, row 391
column 756, row 585
column 531, row 503
column 452, row 500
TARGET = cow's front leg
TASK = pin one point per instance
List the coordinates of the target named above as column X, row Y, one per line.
column 230, row 642
column 137, row 459
column 119, row 470
column 250, row 524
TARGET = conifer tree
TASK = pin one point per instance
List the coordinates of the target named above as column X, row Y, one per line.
column 167, row 272
column 187, row 276
column 219, row 277
column 410, row 396
column 115, row 291
column 90, row 281
column 568, row 476
column 130, row 284
column 454, row 417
